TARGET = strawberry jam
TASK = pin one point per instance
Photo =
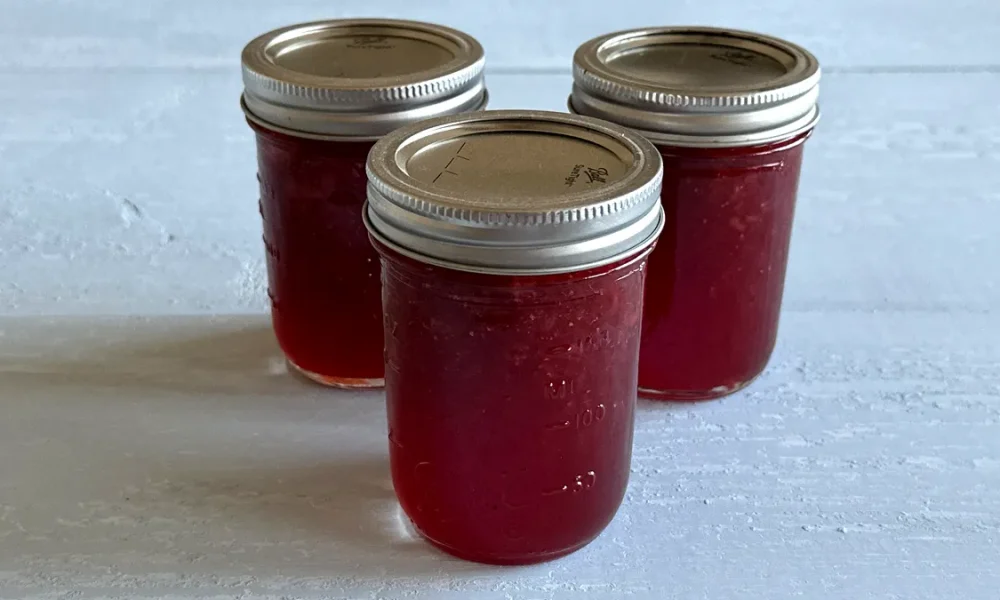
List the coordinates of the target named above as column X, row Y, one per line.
column 323, row 274
column 510, row 404
column 318, row 95
column 728, row 111
column 714, row 291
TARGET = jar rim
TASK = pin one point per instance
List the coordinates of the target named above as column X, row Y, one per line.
column 643, row 246
column 484, row 101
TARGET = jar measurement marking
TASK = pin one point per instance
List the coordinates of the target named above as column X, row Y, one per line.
column 582, row 420
column 559, row 390
column 590, row 416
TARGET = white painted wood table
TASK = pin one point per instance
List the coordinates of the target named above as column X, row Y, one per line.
column 153, row 446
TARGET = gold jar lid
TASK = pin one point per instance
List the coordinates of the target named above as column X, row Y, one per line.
column 698, row 86
column 515, row 192
column 360, row 78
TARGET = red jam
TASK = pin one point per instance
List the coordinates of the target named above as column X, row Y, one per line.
column 323, row 274
column 713, row 294
column 510, row 404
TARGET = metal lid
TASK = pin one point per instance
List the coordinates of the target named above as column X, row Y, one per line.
column 515, row 192
column 360, row 78
column 698, row 86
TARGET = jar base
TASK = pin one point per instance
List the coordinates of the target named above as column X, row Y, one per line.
column 505, row 561
column 693, row 395
column 347, row 383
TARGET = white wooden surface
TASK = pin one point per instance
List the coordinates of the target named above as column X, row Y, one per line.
column 152, row 446
column 518, row 34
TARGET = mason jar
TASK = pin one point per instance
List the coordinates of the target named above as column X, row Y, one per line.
column 513, row 247
column 318, row 95
column 729, row 112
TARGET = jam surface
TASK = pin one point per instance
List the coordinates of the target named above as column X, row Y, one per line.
column 716, row 277
column 510, row 404
column 323, row 274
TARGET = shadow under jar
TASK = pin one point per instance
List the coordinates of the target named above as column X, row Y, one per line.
column 513, row 249
column 318, row 95
column 729, row 112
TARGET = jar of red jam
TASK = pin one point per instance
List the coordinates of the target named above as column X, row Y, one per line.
column 514, row 247
column 729, row 112
column 318, row 95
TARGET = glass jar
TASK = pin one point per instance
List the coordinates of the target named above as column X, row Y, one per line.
column 318, row 95
column 513, row 249
column 729, row 112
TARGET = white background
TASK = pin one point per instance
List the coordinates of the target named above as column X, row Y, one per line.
column 151, row 445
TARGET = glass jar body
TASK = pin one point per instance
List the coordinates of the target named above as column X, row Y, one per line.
column 716, row 278
column 510, row 404
column 323, row 274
